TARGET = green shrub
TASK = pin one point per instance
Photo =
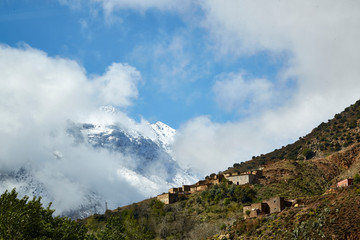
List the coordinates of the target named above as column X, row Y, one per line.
column 308, row 153
column 24, row 219
column 223, row 226
column 356, row 178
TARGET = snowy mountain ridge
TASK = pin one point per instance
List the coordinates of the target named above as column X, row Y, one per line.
column 113, row 159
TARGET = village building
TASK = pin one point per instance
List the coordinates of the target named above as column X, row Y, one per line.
column 240, row 179
column 186, row 188
column 273, row 205
column 255, row 210
column 276, row 204
column 168, row 198
column 202, row 185
column 345, row 183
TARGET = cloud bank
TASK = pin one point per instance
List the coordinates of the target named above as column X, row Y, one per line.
column 323, row 60
column 39, row 95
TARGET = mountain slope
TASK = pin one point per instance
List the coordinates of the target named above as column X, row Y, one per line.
column 302, row 171
column 330, row 137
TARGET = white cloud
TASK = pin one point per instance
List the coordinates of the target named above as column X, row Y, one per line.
column 39, row 94
column 109, row 6
column 234, row 93
column 118, row 86
column 321, row 39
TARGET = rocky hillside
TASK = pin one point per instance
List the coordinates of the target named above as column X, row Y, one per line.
column 330, row 137
column 331, row 216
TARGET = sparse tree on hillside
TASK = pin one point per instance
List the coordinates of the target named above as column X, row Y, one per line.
column 308, row 153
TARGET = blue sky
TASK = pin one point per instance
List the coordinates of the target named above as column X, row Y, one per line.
column 236, row 78
column 176, row 57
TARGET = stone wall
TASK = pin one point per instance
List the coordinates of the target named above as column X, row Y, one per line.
column 168, row 198
column 276, row 204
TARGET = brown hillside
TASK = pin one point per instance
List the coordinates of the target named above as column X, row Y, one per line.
column 332, row 216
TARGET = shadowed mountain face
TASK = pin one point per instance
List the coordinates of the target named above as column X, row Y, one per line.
column 145, row 152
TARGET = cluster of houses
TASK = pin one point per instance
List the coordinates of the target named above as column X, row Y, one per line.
column 273, row 205
column 175, row 194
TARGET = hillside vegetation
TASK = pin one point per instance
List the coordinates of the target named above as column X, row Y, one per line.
column 331, row 216
column 328, row 138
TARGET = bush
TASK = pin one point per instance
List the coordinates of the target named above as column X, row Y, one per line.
column 124, row 227
column 223, row 226
column 24, row 219
column 308, row 153
column 357, row 179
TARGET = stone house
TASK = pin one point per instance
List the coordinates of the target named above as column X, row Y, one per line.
column 345, row 183
column 240, row 179
column 200, row 186
column 175, row 190
column 273, row 205
column 174, row 194
column 276, row 204
column 186, row 188
column 216, row 179
column 255, row 210
column 168, row 198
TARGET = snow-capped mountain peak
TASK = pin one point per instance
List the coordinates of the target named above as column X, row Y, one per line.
column 164, row 133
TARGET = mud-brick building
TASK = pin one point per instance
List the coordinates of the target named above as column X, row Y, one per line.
column 186, row 188
column 273, row 205
column 175, row 190
column 240, row 179
column 276, row 204
column 255, row 210
column 345, row 183
column 200, row 186
column 215, row 180
column 168, row 198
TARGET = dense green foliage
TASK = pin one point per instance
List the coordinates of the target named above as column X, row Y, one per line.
column 27, row 219
column 123, row 226
column 223, row 191
column 196, row 216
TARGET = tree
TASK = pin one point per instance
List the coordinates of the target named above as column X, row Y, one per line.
column 114, row 229
column 308, row 153
column 356, row 178
column 24, row 219
column 124, row 227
